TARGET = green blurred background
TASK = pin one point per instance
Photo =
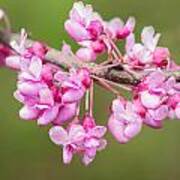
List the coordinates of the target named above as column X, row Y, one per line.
column 26, row 151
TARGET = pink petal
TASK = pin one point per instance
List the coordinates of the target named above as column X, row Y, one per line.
column 28, row 113
column 58, row 135
column 149, row 39
column 35, row 67
column 161, row 113
column 86, row 54
column 91, row 143
column 152, row 122
column 46, row 97
column 76, row 31
column 130, row 24
column 102, row 144
column 114, row 25
column 118, row 105
column 117, row 129
column 76, row 133
column 48, row 115
column 149, row 100
column 98, row 131
column 13, row 62
column 66, row 112
column 133, row 129
column 87, row 160
column 29, row 88
column 160, row 55
column 67, row 155
column 130, row 42
column 71, row 95
column 155, row 79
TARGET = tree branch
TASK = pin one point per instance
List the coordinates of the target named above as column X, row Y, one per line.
column 65, row 60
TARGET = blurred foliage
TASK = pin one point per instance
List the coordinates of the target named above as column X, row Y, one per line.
column 25, row 150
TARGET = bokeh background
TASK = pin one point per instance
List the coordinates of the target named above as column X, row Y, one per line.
column 26, row 152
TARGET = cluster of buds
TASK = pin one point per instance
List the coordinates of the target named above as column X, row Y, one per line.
column 55, row 86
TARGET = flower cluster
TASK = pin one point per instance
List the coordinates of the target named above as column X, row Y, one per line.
column 155, row 99
column 84, row 139
column 89, row 30
column 55, row 89
column 48, row 94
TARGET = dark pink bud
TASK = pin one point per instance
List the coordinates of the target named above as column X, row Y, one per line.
column 88, row 122
column 161, row 56
column 84, row 75
column 95, row 29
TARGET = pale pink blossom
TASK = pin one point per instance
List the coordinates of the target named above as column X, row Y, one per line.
column 86, row 27
column 83, row 23
column 70, row 140
column 124, row 123
column 22, row 61
column 85, row 139
column 146, row 53
column 93, row 141
column 158, row 96
column 118, row 30
column 48, row 94
column 86, row 54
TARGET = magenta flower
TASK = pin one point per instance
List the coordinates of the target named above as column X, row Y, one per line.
column 118, row 30
column 86, row 27
column 146, row 53
column 93, row 141
column 69, row 139
column 48, row 94
column 22, row 61
column 83, row 23
column 158, row 95
column 84, row 140
column 74, row 88
column 124, row 122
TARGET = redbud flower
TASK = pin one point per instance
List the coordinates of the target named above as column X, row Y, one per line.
column 93, row 141
column 146, row 53
column 124, row 123
column 118, row 30
column 84, row 23
column 158, row 95
column 69, row 139
column 85, row 139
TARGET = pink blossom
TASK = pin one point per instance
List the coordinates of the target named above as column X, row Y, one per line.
column 161, row 56
column 48, row 94
column 118, row 30
column 86, row 27
column 69, row 139
column 93, row 141
column 84, row 139
column 86, row 54
column 22, row 61
column 158, row 96
column 83, row 23
column 124, row 122
column 146, row 53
